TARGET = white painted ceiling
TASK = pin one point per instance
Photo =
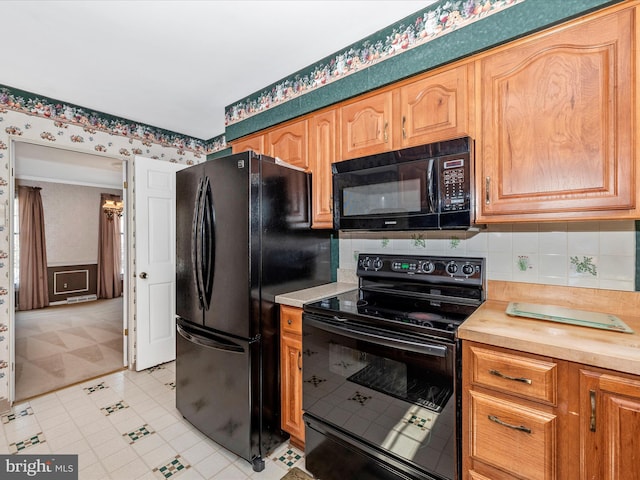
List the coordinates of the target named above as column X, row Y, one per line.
column 176, row 64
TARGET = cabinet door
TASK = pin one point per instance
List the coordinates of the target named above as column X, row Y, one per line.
column 366, row 126
column 289, row 143
column 322, row 153
column 435, row 108
column 556, row 132
column 291, row 373
column 255, row 143
column 609, row 423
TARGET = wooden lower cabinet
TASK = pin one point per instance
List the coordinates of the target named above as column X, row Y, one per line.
column 609, row 425
column 585, row 427
column 291, row 373
column 514, row 420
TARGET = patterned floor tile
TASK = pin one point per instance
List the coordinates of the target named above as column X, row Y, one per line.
column 114, row 408
column 171, row 468
column 171, row 385
column 12, row 416
column 360, row 398
column 139, row 433
column 289, row 457
column 38, row 438
column 95, row 388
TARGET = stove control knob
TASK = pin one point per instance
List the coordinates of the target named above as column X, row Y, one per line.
column 428, row 267
column 451, row 268
column 377, row 264
column 467, row 269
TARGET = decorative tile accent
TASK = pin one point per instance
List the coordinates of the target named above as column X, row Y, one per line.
column 307, row 352
column 141, row 432
column 315, row 381
column 584, row 266
column 29, row 442
column 155, row 369
column 12, row 416
column 172, row 468
column 95, row 388
column 171, row 385
column 360, row 398
column 420, row 422
column 114, row 408
column 289, row 458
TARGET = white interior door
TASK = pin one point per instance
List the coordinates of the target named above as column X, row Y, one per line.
column 155, row 247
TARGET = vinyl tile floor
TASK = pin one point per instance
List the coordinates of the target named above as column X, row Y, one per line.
column 125, row 426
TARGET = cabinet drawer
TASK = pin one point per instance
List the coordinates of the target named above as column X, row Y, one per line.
column 524, row 376
column 291, row 320
column 513, row 437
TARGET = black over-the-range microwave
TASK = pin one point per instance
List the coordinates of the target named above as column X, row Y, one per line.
column 428, row 187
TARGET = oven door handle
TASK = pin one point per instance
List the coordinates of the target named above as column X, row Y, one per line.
column 357, row 334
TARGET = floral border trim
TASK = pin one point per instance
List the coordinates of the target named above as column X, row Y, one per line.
column 92, row 121
column 424, row 26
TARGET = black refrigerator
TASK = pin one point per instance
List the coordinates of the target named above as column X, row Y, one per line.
column 243, row 237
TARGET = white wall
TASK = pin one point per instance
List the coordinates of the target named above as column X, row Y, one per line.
column 71, row 214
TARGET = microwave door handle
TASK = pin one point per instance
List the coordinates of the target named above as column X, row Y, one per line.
column 431, row 185
column 357, row 334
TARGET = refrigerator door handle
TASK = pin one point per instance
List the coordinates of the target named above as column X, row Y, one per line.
column 196, row 243
column 214, row 342
column 208, row 242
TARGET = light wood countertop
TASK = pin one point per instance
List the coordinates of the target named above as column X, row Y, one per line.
column 300, row 297
column 618, row 351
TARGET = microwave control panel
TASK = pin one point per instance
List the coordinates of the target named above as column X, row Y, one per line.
column 454, row 185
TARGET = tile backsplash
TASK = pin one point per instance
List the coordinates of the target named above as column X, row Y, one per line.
column 584, row 254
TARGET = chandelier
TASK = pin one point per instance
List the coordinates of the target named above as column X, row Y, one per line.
column 112, row 208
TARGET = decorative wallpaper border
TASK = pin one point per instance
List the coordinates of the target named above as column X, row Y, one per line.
column 435, row 21
column 92, row 121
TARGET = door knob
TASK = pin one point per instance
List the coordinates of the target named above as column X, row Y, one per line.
column 143, row 275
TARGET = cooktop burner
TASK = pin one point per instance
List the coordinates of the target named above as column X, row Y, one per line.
column 432, row 295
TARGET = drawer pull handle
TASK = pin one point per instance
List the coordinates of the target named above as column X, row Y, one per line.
column 592, row 420
column 507, row 377
column 300, row 361
column 520, row 428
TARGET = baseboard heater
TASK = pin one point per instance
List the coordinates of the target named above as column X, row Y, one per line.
column 76, row 299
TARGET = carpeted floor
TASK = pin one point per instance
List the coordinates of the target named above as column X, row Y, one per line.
column 65, row 344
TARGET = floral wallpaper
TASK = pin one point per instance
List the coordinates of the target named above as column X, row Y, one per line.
column 435, row 21
column 22, row 118
column 65, row 114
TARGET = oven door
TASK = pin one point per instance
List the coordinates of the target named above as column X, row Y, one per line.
column 389, row 392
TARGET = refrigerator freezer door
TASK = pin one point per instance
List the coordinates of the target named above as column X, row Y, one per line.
column 214, row 389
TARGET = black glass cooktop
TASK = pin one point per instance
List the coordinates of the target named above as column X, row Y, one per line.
column 399, row 312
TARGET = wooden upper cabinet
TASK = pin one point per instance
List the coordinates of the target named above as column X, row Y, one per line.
column 322, row 153
column 367, row 126
column 289, row 143
column 255, row 143
column 556, row 133
column 434, row 108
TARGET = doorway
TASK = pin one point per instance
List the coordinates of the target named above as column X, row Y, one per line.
column 78, row 335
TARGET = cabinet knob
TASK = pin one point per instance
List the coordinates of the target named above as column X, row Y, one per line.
column 289, row 322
